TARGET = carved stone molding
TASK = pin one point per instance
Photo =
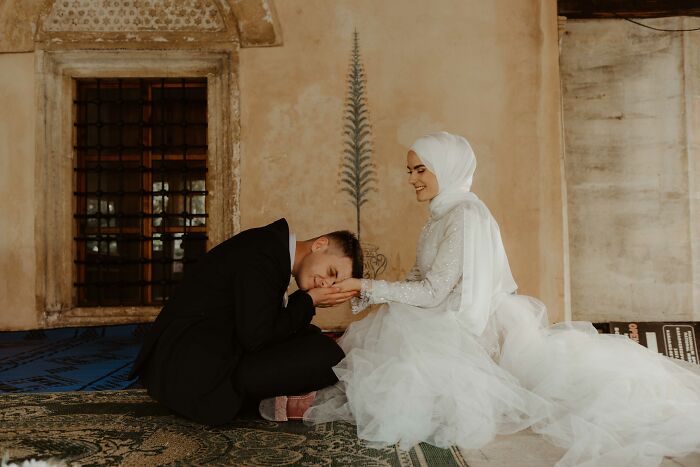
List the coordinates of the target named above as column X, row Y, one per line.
column 561, row 29
column 133, row 16
column 134, row 24
column 257, row 22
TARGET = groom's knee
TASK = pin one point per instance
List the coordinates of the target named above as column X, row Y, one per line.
column 301, row 364
column 329, row 352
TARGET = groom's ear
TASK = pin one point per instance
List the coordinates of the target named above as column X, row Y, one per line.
column 320, row 244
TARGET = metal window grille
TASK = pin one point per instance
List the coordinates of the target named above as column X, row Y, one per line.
column 140, row 197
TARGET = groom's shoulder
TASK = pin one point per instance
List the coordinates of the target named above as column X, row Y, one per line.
column 278, row 228
column 275, row 232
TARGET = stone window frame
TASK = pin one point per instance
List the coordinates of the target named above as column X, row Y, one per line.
column 55, row 177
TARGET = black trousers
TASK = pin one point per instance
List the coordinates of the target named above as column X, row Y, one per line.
column 300, row 364
column 191, row 371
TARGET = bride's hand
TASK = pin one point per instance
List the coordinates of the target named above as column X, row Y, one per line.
column 329, row 296
column 349, row 285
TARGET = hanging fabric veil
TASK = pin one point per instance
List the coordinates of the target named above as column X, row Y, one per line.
column 486, row 272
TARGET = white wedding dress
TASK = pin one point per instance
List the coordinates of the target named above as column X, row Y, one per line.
column 425, row 368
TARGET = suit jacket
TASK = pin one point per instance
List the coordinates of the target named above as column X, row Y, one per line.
column 229, row 303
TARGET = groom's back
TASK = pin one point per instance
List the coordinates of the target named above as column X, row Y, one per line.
column 209, row 286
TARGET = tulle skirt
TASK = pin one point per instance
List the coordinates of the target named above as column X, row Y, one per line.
column 413, row 375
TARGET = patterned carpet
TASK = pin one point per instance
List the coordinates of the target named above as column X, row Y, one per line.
column 69, row 359
column 129, row 428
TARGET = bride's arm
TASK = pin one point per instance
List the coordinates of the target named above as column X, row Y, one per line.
column 442, row 276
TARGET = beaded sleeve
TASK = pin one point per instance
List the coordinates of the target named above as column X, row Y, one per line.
column 363, row 301
column 440, row 279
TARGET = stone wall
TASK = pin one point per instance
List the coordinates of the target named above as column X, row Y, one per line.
column 631, row 119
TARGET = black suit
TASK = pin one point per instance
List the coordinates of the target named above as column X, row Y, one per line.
column 224, row 340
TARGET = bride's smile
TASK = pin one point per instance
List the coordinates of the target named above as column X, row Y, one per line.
column 423, row 180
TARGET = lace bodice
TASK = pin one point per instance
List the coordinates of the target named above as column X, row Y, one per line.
column 434, row 279
column 461, row 267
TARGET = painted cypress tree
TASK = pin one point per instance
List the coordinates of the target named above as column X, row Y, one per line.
column 357, row 174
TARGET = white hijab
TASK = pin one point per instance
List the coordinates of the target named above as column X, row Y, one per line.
column 486, row 272
column 452, row 160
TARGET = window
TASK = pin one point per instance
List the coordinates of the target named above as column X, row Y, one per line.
column 137, row 174
column 140, row 199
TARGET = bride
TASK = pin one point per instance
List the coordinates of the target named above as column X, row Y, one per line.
column 457, row 357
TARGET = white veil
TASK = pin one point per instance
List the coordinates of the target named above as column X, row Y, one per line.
column 485, row 269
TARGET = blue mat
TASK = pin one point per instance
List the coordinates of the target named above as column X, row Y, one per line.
column 69, row 359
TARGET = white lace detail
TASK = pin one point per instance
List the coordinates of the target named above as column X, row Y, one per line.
column 432, row 281
column 363, row 301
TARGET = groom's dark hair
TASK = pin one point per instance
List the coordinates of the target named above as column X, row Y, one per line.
column 349, row 246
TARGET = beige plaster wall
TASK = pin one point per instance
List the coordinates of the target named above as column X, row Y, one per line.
column 630, row 117
column 691, row 66
column 18, row 20
column 17, row 130
column 486, row 70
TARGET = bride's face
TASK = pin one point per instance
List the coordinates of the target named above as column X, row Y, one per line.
column 423, row 180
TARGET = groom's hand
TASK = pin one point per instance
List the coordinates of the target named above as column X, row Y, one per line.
column 348, row 285
column 329, row 296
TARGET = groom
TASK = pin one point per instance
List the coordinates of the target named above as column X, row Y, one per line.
column 229, row 336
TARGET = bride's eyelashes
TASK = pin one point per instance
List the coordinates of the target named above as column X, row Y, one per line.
column 418, row 168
